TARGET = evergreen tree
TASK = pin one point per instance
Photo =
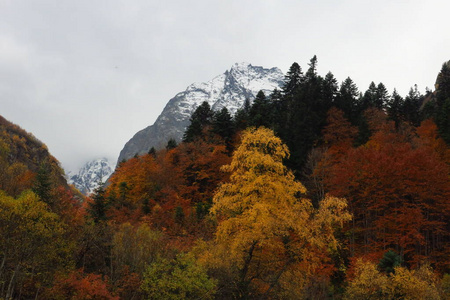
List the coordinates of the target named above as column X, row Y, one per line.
column 171, row 144
column 276, row 107
column 395, row 107
column 260, row 114
column 347, row 100
column 98, row 207
column 222, row 125
column 443, row 121
column 382, row 96
column 43, row 184
column 330, row 88
column 305, row 117
column 302, row 113
column 443, row 84
column 200, row 119
column 152, row 151
column 376, row 96
column 241, row 117
column 369, row 98
column 293, row 79
column 411, row 107
column 443, row 102
column 311, row 74
column 389, row 262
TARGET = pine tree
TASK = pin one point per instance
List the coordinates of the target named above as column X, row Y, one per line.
column 347, row 100
column 222, row 125
column 443, row 84
column 171, row 144
column 443, row 102
column 369, row 98
column 411, row 107
column 311, row 74
column 293, row 79
column 152, row 151
column 276, row 106
column 200, row 119
column 98, row 207
column 443, row 121
column 260, row 113
column 241, row 117
column 43, row 184
column 382, row 96
column 303, row 115
column 395, row 108
column 389, row 262
column 330, row 88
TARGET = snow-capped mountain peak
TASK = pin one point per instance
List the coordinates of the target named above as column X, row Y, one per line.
column 230, row 89
column 91, row 175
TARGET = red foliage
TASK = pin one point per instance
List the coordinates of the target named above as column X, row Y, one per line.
column 172, row 191
column 128, row 286
column 338, row 134
column 398, row 191
column 80, row 286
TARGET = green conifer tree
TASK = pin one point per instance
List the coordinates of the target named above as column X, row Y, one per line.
column 171, row 144
column 260, row 114
column 222, row 125
column 411, row 106
column 293, row 79
column 395, row 107
column 200, row 119
column 98, row 207
column 43, row 184
column 241, row 117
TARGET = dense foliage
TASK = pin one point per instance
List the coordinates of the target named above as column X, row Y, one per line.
column 316, row 191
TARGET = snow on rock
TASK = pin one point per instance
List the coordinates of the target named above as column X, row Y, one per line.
column 229, row 90
column 91, row 175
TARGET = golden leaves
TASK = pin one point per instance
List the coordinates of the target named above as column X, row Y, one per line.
column 264, row 223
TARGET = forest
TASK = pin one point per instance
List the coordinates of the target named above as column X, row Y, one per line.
column 316, row 191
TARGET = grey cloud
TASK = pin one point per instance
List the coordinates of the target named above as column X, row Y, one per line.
column 84, row 76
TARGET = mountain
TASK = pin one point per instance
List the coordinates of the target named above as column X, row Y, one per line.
column 229, row 90
column 22, row 158
column 91, row 175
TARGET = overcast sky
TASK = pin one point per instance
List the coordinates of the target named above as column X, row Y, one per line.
column 85, row 76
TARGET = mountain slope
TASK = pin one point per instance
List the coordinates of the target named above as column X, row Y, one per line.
column 91, row 175
column 22, row 156
column 229, row 90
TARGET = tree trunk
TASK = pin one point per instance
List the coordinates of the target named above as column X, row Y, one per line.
column 243, row 284
column 10, row 290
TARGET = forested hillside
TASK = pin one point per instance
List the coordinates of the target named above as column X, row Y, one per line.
column 316, row 191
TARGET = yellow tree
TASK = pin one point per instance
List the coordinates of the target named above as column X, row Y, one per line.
column 32, row 245
column 369, row 283
column 272, row 235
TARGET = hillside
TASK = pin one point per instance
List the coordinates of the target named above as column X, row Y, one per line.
column 23, row 155
column 314, row 191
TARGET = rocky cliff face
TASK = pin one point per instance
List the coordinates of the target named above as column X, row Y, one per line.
column 91, row 175
column 229, row 90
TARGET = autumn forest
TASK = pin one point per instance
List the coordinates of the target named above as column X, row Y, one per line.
column 316, row 191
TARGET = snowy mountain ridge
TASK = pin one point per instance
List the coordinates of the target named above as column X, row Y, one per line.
column 229, row 90
column 91, row 175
